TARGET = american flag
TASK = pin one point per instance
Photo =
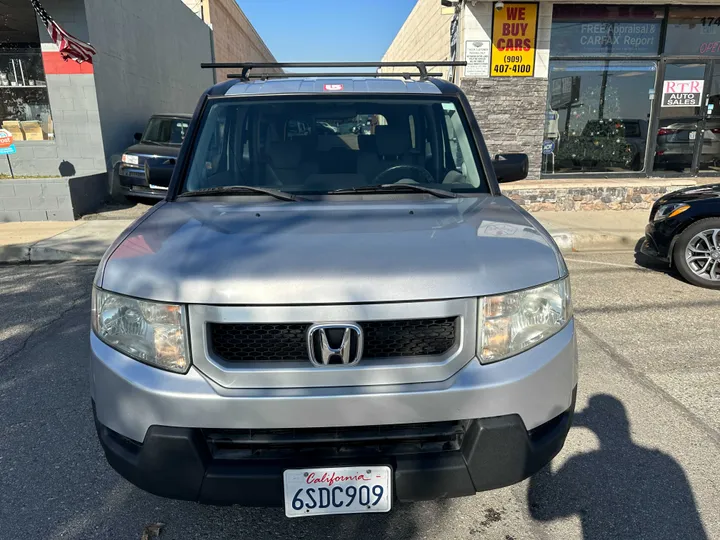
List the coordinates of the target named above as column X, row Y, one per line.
column 70, row 46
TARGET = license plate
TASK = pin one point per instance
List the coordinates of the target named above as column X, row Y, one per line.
column 691, row 135
column 337, row 490
column 153, row 186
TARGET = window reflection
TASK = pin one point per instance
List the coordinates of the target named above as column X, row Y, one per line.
column 24, row 104
column 598, row 115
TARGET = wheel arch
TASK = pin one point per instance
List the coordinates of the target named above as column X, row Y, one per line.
column 683, row 227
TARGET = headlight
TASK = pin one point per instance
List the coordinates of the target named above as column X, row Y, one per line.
column 670, row 210
column 130, row 159
column 151, row 332
column 511, row 323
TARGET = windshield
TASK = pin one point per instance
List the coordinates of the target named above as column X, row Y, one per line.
column 165, row 130
column 311, row 146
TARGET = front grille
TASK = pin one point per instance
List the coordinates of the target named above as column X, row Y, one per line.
column 390, row 440
column 277, row 342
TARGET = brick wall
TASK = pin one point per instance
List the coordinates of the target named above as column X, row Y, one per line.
column 56, row 199
column 235, row 39
column 425, row 35
column 77, row 149
column 511, row 114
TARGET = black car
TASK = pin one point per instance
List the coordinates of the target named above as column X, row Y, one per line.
column 684, row 230
column 158, row 146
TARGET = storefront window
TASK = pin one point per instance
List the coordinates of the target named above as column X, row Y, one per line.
column 24, row 104
column 693, row 31
column 598, row 114
column 592, row 30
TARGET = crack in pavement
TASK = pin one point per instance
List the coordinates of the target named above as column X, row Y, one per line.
column 645, row 381
column 74, row 304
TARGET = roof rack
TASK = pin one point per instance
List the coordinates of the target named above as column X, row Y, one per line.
column 265, row 76
column 247, row 66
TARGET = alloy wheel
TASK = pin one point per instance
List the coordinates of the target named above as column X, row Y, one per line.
column 702, row 254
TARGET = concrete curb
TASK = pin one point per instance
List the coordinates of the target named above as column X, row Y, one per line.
column 569, row 241
column 36, row 253
column 86, row 242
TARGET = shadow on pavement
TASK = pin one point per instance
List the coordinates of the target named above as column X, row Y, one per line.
column 622, row 490
column 650, row 263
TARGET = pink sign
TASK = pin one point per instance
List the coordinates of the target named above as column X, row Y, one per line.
column 686, row 93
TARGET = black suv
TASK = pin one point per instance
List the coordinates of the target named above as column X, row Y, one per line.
column 158, row 146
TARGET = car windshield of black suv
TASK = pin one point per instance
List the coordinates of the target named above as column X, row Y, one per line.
column 165, row 131
column 306, row 146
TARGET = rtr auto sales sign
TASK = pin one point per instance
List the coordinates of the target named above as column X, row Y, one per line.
column 513, row 40
column 686, row 93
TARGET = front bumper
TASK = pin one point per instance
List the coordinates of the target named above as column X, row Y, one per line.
column 659, row 237
column 151, row 424
column 177, row 463
column 131, row 397
column 132, row 181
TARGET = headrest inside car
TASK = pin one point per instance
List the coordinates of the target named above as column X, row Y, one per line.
column 391, row 141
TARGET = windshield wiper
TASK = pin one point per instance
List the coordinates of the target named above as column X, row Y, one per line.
column 386, row 188
column 224, row 190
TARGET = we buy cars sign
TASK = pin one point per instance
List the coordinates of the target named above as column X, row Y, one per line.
column 6, row 142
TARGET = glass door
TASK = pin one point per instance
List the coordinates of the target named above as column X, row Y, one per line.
column 709, row 160
column 683, row 142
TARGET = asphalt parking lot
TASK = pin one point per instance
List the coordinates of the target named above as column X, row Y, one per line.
column 641, row 461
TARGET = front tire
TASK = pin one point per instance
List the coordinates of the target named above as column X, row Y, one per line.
column 696, row 253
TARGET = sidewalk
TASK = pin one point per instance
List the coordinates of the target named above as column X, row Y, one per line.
column 87, row 240
column 45, row 241
column 596, row 229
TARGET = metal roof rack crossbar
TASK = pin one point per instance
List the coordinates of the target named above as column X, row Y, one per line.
column 421, row 66
column 264, row 76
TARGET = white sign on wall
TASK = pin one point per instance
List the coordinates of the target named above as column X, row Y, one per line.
column 687, row 93
column 477, row 56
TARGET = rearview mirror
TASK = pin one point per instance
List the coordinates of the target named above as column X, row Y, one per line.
column 159, row 175
column 137, row 136
column 510, row 167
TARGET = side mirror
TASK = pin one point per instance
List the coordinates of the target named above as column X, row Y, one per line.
column 510, row 167
column 137, row 137
column 159, row 175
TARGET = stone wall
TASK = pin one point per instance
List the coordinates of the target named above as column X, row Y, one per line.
column 511, row 114
column 629, row 195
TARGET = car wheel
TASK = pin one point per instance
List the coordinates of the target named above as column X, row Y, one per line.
column 696, row 253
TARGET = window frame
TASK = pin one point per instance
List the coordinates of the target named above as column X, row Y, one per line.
column 628, row 58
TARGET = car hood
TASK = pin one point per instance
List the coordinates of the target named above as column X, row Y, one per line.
column 170, row 150
column 222, row 252
column 689, row 194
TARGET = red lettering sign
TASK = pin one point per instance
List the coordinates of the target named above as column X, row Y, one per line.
column 333, row 478
column 6, row 138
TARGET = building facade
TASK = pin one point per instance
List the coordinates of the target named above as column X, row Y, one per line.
column 614, row 102
column 71, row 122
column 234, row 37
